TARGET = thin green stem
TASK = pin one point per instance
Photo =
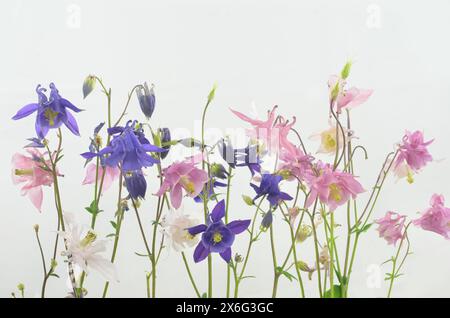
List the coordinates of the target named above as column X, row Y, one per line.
column 191, row 278
column 276, row 274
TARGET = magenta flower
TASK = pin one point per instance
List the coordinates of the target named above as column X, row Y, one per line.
column 333, row 188
column 28, row 170
column 182, row 175
column 111, row 174
column 347, row 98
column 296, row 163
column 413, row 151
column 436, row 218
column 273, row 136
column 391, row 227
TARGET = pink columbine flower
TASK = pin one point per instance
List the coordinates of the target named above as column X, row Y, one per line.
column 333, row 188
column 347, row 98
column 328, row 141
column 436, row 218
column 182, row 175
column 273, row 135
column 413, row 150
column 296, row 163
column 28, row 170
column 111, row 174
column 391, row 227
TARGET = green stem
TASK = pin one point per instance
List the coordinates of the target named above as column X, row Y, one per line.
column 43, row 262
column 395, row 270
column 316, row 249
column 226, row 221
column 119, row 219
column 191, row 278
column 276, row 274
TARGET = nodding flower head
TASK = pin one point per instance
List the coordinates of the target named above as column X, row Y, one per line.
column 52, row 112
column 146, row 99
column 436, row 218
column 269, row 187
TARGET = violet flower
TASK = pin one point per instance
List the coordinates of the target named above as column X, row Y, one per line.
column 51, row 112
column 270, row 186
column 146, row 99
column 217, row 237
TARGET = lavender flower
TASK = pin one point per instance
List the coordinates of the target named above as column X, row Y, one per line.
column 146, row 99
column 51, row 112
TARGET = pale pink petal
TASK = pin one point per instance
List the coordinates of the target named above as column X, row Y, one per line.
column 176, row 196
column 91, row 172
column 36, row 196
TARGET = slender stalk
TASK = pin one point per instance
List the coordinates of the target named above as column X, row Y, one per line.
column 191, row 278
column 43, row 261
column 395, row 270
column 252, row 239
column 276, row 273
column 141, row 228
column 226, row 221
column 119, row 219
column 316, row 249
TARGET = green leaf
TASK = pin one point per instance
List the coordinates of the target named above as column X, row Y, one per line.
column 111, row 235
column 336, row 291
column 204, row 295
column 286, row 274
column 142, row 255
column 92, row 208
column 114, row 225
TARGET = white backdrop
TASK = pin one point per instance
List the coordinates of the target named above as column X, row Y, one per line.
column 267, row 52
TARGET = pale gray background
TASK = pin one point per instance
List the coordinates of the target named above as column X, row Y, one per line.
column 267, row 52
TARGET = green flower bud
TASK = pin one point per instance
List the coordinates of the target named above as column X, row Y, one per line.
column 346, row 70
column 247, row 200
column 88, row 85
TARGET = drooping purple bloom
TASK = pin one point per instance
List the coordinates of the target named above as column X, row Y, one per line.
column 245, row 157
column 136, row 184
column 146, row 99
column 217, row 237
column 129, row 148
column 52, row 112
column 270, row 186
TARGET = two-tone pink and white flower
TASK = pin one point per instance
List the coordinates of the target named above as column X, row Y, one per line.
column 30, row 171
column 332, row 187
column 391, row 227
column 181, row 176
column 111, row 174
column 436, row 218
column 346, row 98
column 412, row 156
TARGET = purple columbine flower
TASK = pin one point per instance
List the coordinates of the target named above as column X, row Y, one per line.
column 146, row 99
column 165, row 139
column 209, row 187
column 51, row 112
column 270, row 186
column 128, row 150
column 217, row 236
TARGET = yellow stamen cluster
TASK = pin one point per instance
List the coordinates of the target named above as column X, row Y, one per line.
column 217, row 237
column 88, row 239
column 328, row 141
column 50, row 115
column 335, row 192
column 187, row 184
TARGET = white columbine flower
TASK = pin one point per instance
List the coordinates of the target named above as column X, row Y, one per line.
column 174, row 225
column 86, row 250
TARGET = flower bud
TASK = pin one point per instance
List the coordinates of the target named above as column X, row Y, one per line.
column 346, row 70
column 302, row 266
column 247, row 200
column 36, row 228
column 218, row 171
column 238, row 258
column 146, row 99
column 212, row 93
column 266, row 221
column 165, row 141
column 88, row 85
column 303, row 233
